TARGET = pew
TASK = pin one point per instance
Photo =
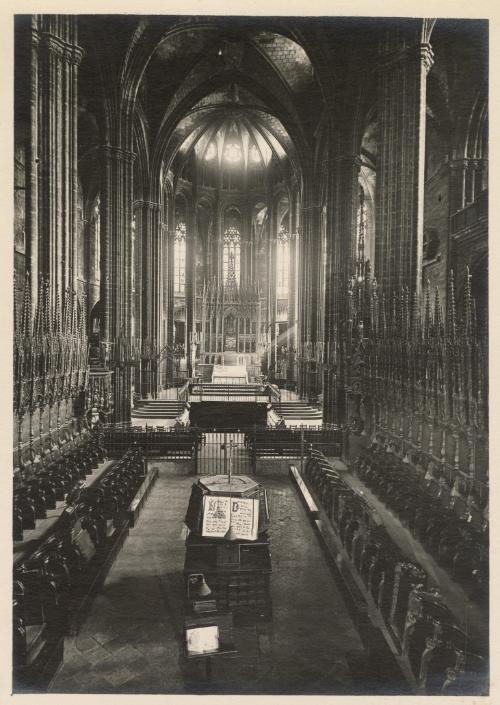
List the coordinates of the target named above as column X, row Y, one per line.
column 417, row 616
column 53, row 583
column 426, row 506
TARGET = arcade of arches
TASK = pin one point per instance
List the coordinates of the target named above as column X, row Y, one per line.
column 292, row 206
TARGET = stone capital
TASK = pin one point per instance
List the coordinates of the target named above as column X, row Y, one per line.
column 35, row 37
column 149, row 205
column 55, row 45
column 311, row 208
column 118, row 154
column 422, row 53
column 417, row 53
column 458, row 164
column 75, row 55
column 348, row 159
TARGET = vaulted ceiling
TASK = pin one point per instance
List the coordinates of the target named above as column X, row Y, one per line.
column 179, row 75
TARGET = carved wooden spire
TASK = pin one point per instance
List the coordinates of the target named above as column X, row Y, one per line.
column 38, row 325
column 26, row 316
column 451, row 318
column 427, row 310
column 468, row 305
column 383, row 318
column 58, row 314
column 438, row 317
column 416, row 319
column 406, row 313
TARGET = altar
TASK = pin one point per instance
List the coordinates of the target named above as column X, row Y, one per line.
column 229, row 374
column 232, row 331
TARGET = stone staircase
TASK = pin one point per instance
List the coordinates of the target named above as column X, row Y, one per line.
column 298, row 410
column 158, row 409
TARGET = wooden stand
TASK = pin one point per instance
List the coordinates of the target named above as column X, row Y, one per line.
column 238, row 577
column 224, row 621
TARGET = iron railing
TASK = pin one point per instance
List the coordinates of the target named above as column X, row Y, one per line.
column 209, row 449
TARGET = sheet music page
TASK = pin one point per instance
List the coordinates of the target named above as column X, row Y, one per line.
column 215, row 516
column 245, row 518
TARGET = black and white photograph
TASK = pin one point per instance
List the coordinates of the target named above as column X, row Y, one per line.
column 250, row 369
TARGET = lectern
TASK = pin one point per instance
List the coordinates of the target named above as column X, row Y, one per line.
column 227, row 550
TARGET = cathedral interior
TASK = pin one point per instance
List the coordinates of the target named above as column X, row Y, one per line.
column 250, row 449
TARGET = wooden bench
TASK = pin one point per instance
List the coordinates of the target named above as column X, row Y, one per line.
column 137, row 503
column 305, row 495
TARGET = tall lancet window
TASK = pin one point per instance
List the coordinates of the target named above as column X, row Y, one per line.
column 361, row 218
column 96, row 220
column 283, row 263
column 180, row 259
column 232, row 243
column 361, row 233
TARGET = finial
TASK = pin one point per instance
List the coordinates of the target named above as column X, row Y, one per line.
column 451, row 322
column 468, row 303
column 415, row 319
column 26, row 318
column 383, row 318
column 406, row 312
column 438, row 318
column 427, row 310
column 394, row 315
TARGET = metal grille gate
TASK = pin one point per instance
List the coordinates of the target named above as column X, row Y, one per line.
column 221, row 450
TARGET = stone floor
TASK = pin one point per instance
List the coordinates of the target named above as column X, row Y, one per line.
column 132, row 639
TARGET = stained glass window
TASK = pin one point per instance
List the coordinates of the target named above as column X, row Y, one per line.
column 232, row 242
column 211, row 152
column 361, row 224
column 255, row 154
column 282, row 262
column 180, row 259
column 232, row 152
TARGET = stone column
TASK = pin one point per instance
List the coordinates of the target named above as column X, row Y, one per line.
column 164, row 332
column 190, row 286
column 116, row 263
column 458, row 173
column 33, row 165
column 402, row 78
column 246, row 246
column 309, row 294
column 292, row 289
column 54, row 184
column 341, row 217
column 168, row 278
column 148, row 216
column 272, row 302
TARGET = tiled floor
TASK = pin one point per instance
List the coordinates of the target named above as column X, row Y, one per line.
column 131, row 641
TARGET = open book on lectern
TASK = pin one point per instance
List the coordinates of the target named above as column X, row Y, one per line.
column 220, row 513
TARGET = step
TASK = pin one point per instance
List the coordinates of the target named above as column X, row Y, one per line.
column 162, row 404
column 179, row 405
column 156, row 408
column 302, row 416
column 296, row 408
column 155, row 414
